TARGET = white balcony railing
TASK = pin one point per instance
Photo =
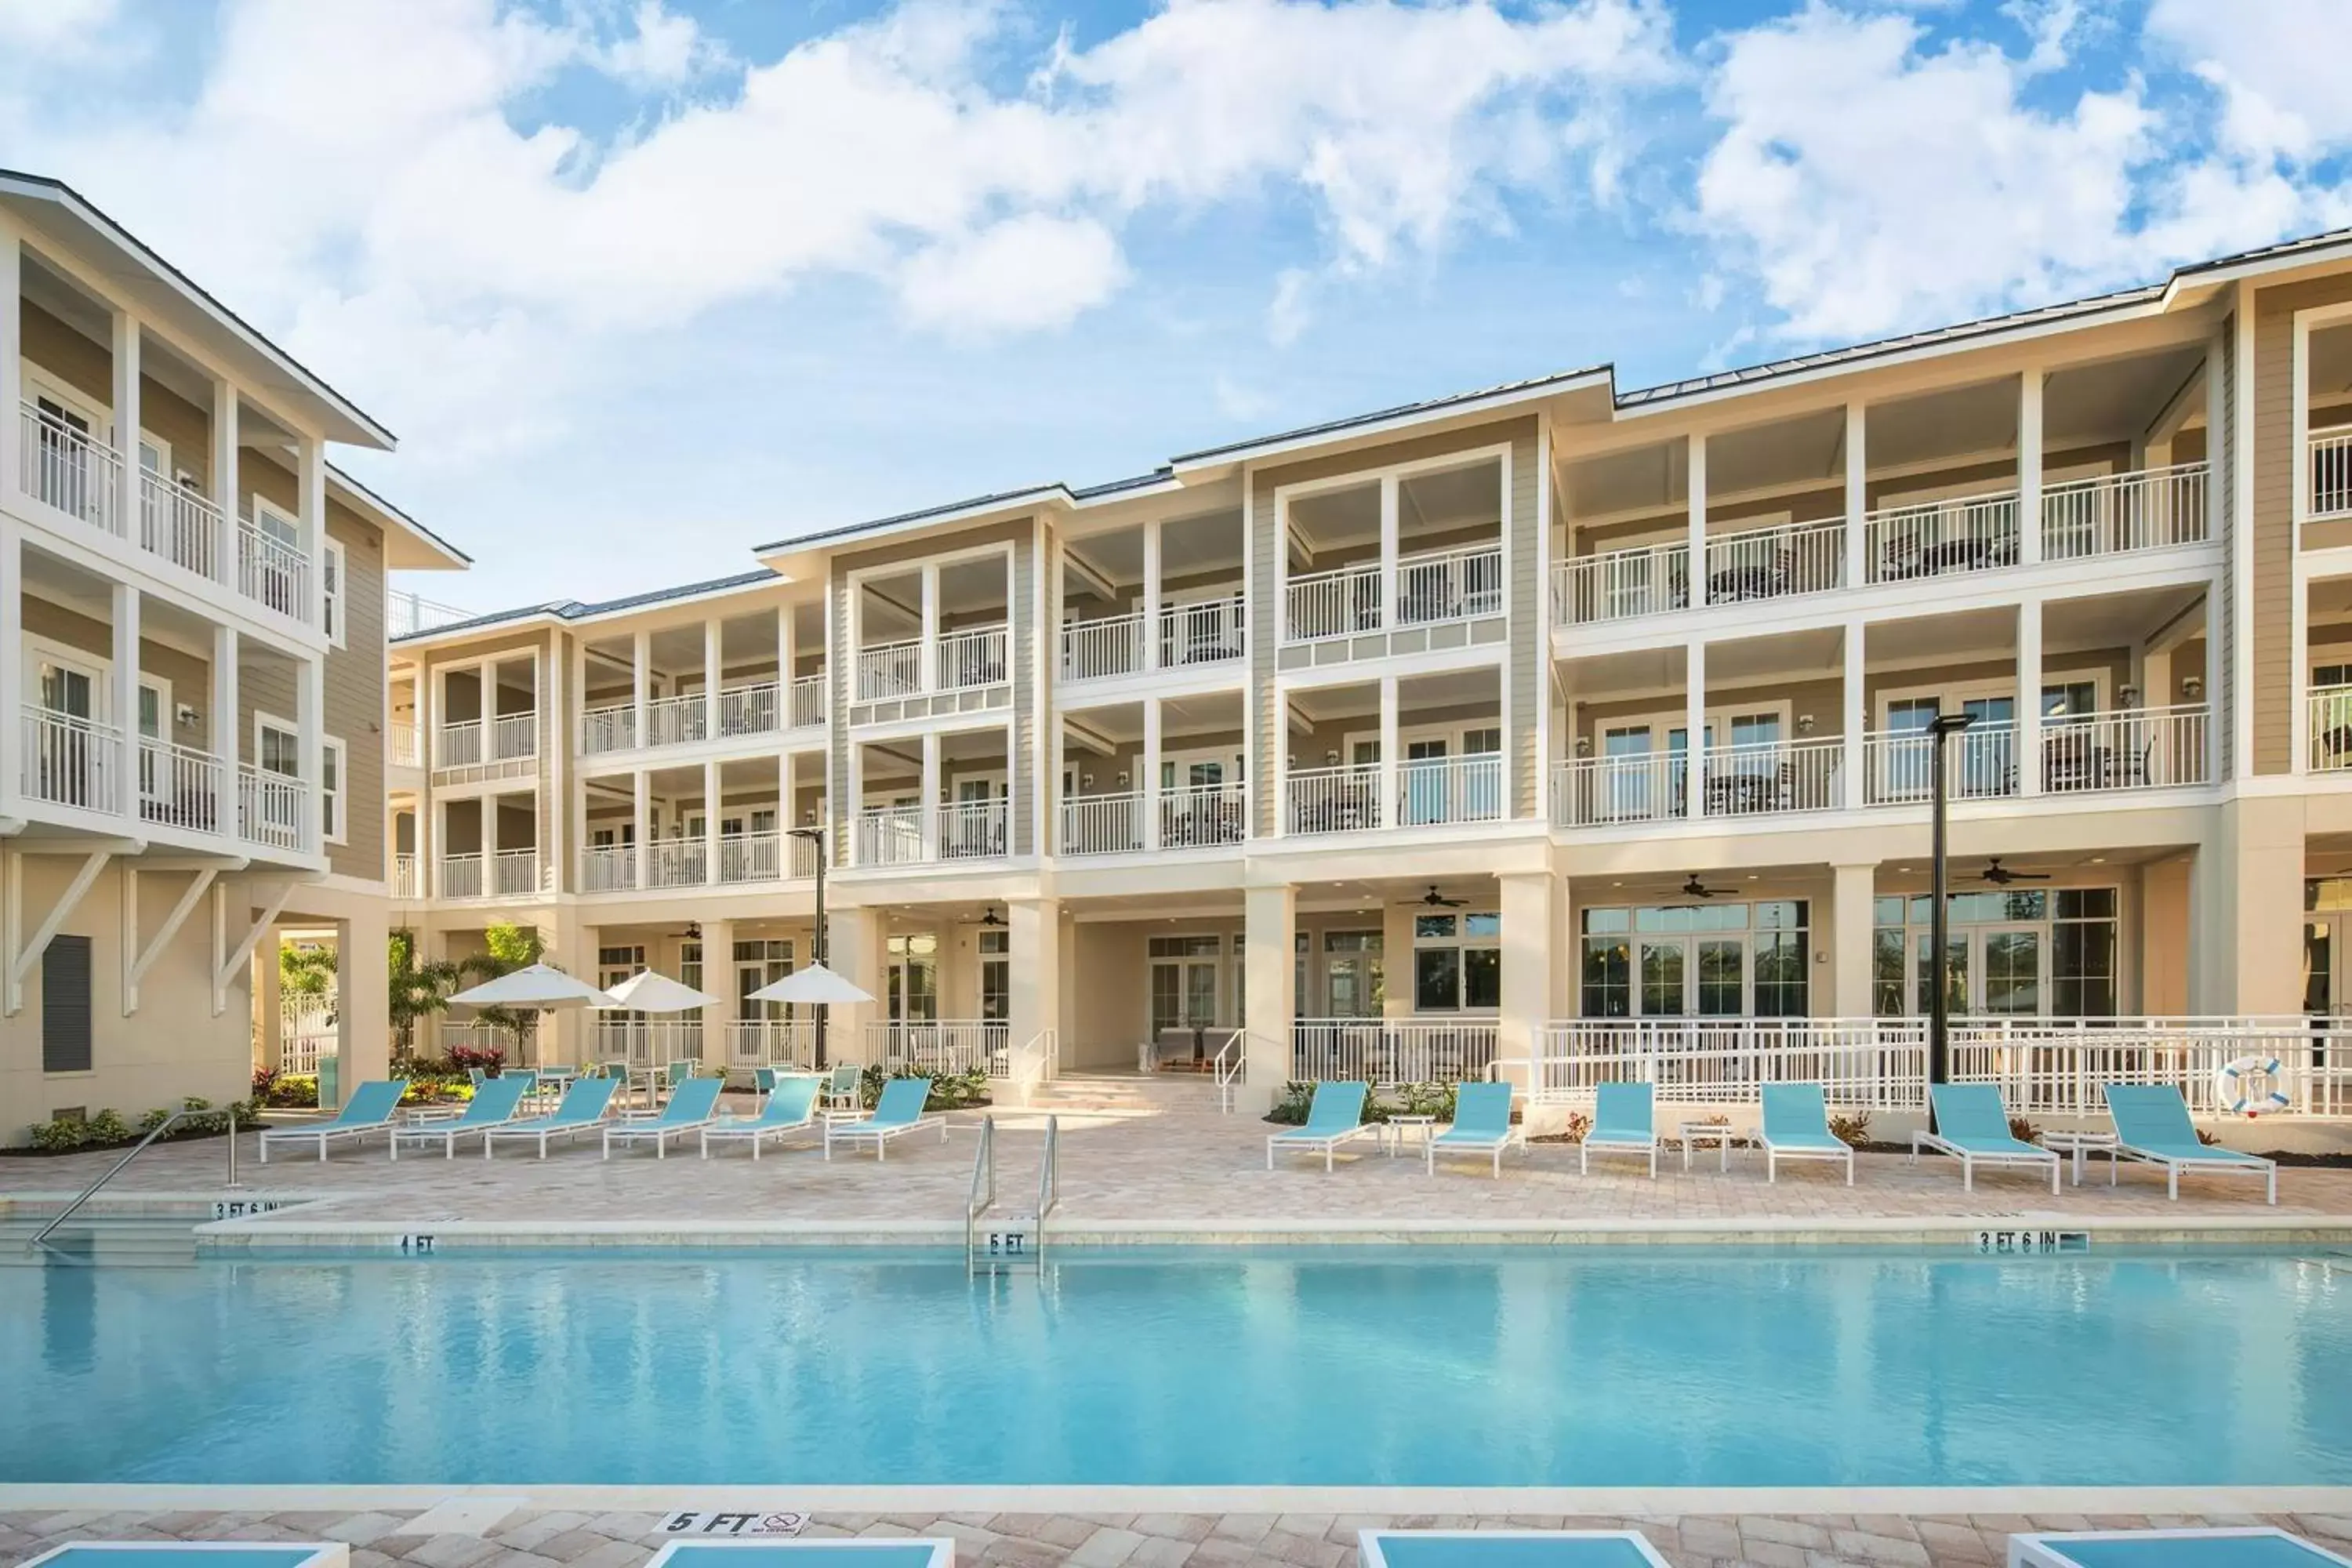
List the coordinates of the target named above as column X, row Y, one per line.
column 513, row 737
column 406, row 613
column 972, row 657
column 943, row 1047
column 180, row 786
column 1938, row 537
column 676, row 720
column 1393, row 1050
column 1332, row 800
column 808, row 709
column 2331, row 474
column 273, row 572
column 2136, row 748
column 889, row 669
column 1332, row 604
column 2330, row 708
column 1602, row 792
column 1899, row 767
column 1762, row 778
column 183, row 527
column 750, row 710
column 649, row 1043
column 612, row 728
column 1097, row 650
column 681, row 862
column 1433, row 790
column 1203, row 631
column 403, row 747
column 1617, row 584
column 514, row 873
column 888, row 835
column 971, row 829
column 63, row 467
column 71, row 762
column 1771, row 562
column 751, row 858
column 2113, row 514
column 407, row 877
column 1199, row 815
column 771, row 1043
column 1102, row 824
column 461, row 876
column 459, row 745
column 1449, row 585
column 608, row 868
column 272, row 808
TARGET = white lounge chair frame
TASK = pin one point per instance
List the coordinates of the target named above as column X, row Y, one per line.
column 1776, row 1152
column 2175, row 1166
column 1970, row 1159
column 1595, row 1143
column 324, row 1132
column 851, row 1130
column 1516, row 1138
column 651, row 1127
column 1296, row 1140
column 749, row 1129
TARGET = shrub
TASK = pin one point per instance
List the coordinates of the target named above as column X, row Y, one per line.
column 464, row 1058
column 1852, row 1127
column 107, row 1130
column 286, row 1091
column 949, row 1092
column 1579, row 1124
column 1428, row 1099
column 2024, row 1131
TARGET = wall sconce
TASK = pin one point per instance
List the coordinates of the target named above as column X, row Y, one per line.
column 2192, row 686
column 1085, row 781
column 1804, row 724
column 1122, row 778
column 1584, row 745
column 1330, row 759
column 2127, row 697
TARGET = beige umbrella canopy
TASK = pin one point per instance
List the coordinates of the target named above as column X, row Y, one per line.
column 816, row 984
column 536, row 986
column 647, row 992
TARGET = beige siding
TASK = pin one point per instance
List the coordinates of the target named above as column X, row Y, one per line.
column 1523, row 688
column 354, row 685
column 87, row 368
column 2273, row 681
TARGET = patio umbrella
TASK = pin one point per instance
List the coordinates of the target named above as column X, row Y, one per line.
column 535, row 986
column 816, row 984
column 647, row 992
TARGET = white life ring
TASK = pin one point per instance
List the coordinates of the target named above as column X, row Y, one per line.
column 2249, row 1085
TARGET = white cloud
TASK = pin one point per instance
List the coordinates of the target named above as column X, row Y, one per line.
column 2280, row 65
column 1024, row 274
column 660, row 49
column 75, row 26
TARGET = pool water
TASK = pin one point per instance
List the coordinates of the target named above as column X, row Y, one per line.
column 1572, row 1366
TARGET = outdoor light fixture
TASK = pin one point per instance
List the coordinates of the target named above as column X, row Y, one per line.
column 1584, row 745
column 1804, row 724
column 2127, row 697
column 2193, row 687
column 1330, row 759
column 1939, row 916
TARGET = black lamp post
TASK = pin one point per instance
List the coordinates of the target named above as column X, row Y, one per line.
column 1939, row 917
column 816, row 836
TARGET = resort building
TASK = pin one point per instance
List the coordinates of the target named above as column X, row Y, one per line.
column 193, row 619
column 1485, row 729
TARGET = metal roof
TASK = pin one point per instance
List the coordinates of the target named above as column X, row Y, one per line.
column 570, row 610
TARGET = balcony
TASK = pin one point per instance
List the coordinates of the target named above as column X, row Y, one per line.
column 180, row 786
column 969, row 660
column 608, row 868
column 808, row 703
column 2116, row 514
column 762, row 707
column 403, row 747
column 1203, row 817
column 676, row 720
column 680, row 862
column 1766, row 778
column 1621, row 584
column 504, row 874
column 472, row 750
column 2330, row 712
column 2330, row 473
column 1208, row 632
column 71, row 762
column 1103, row 825
column 1608, row 792
column 889, row 836
column 65, row 469
column 911, row 835
column 1434, row 790
column 407, row 877
column 1774, row 562
column 1938, row 539
column 1332, row 800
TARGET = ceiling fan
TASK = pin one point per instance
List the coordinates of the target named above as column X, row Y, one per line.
column 1431, row 899
column 2000, row 876
column 1696, row 889
column 989, row 917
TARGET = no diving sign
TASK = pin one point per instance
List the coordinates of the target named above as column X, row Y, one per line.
column 702, row 1523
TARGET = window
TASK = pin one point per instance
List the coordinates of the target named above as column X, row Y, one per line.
column 689, row 964
column 330, row 787
column 331, row 567
column 65, row 1005
column 277, row 746
column 2035, row 953
column 277, row 550
column 2083, row 954
column 996, row 977
column 1457, row 963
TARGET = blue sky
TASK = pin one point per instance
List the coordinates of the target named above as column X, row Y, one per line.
column 641, row 283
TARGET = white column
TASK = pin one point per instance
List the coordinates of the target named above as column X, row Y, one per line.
column 718, row 979
column 2156, row 691
column 788, row 654
column 930, row 795
column 928, row 677
column 1034, row 1020
column 557, row 694
column 1269, row 999
column 2028, row 467
column 224, row 727
column 1857, row 495
column 855, row 949
column 310, row 492
column 1387, row 811
column 1694, row 726
column 310, row 723
column 487, row 809
column 1854, row 759
column 641, row 658
column 12, row 374
column 641, row 821
column 714, row 671
column 1696, row 498
column 1853, row 893
column 2029, row 697
column 1532, row 931
column 711, row 820
column 1389, row 549
column 126, row 422
column 1150, row 628
column 1148, row 786
column 224, row 464
column 126, row 694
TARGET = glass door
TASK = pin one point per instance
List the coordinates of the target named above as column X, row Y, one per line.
column 1664, row 967
column 2010, row 961
column 1956, row 974
column 1424, row 781
column 1722, row 976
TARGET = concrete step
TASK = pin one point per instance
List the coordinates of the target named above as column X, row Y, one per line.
column 1127, row 1091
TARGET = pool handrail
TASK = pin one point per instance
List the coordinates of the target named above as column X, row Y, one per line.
column 982, row 1192
column 115, row 1169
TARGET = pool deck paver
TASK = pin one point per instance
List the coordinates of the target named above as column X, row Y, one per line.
column 1196, row 1169
column 535, row 1538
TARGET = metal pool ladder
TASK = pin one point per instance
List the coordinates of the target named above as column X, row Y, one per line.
column 1013, row 1242
column 116, row 1169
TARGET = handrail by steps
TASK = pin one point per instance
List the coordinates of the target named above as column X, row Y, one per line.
column 161, row 1126
column 1049, row 1182
column 983, row 1189
column 1228, row 1075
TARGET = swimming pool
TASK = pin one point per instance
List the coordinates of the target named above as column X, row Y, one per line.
column 1574, row 1366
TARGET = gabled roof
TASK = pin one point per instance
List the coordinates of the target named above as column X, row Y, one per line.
column 398, row 522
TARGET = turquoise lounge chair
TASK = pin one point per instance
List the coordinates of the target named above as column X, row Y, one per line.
column 195, row 1554
column 1624, row 1121
column 1482, row 1125
column 1797, row 1127
column 2152, row 1126
column 841, row 1085
column 1335, row 1116
column 898, row 1111
column 1972, row 1126
column 790, row 1108
column 369, row 1108
column 496, row 1101
column 583, row 1106
column 2259, row 1546
column 1505, row 1549
column 693, row 1106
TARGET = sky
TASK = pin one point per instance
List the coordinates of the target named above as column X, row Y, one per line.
column 641, row 284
